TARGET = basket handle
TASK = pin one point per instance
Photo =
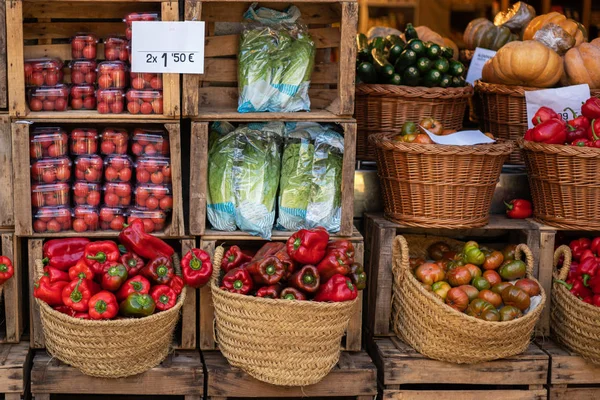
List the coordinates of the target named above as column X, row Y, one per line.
column 522, row 248
column 217, row 259
column 566, row 267
column 400, row 258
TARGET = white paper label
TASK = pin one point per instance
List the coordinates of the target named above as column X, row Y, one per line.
column 560, row 100
column 167, row 47
column 462, row 138
column 479, row 59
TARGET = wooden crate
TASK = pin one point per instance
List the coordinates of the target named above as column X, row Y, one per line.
column 181, row 374
column 49, row 25
column 380, row 234
column 7, row 218
column 22, row 180
column 3, row 59
column 14, row 370
column 11, row 301
column 185, row 333
column 212, row 239
column 571, row 377
column 214, row 95
column 199, row 176
column 405, row 374
column 353, row 377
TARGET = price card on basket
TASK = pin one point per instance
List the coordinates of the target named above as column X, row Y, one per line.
column 479, row 59
column 564, row 101
column 167, row 47
column 462, row 138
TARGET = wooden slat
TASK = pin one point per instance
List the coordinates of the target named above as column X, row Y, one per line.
column 86, row 115
column 65, row 30
column 36, row 332
column 61, row 51
column 381, row 280
column 14, row 41
column 189, row 106
column 347, row 218
column 198, row 177
column 21, row 179
column 312, row 13
column 347, row 56
column 539, row 394
column 569, row 368
column 12, row 296
column 171, row 100
column 177, row 227
column 544, row 276
column 7, row 218
column 12, row 370
column 231, row 114
column 354, row 331
column 83, row 10
column 212, row 234
column 206, row 309
column 3, row 59
column 189, row 310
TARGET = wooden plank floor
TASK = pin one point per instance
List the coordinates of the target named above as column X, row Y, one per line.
column 14, row 361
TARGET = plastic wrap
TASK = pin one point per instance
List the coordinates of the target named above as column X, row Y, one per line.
column 276, row 60
column 555, row 37
column 220, row 197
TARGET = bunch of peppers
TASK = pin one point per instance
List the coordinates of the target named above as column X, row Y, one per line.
column 102, row 280
column 307, row 267
column 582, row 131
column 584, row 275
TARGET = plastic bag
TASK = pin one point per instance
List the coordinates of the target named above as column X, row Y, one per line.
column 555, row 37
column 276, row 60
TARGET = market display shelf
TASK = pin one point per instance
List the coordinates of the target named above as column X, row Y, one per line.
column 7, row 218
column 14, row 373
column 354, row 376
column 405, row 374
column 233, row 115
column 180, row 374
column 185, row 333
column 380, row 233
column 332, row 26
column 11, row 300
column 353, row 338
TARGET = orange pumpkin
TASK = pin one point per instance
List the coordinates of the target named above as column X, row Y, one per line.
column 582, row 65
column 572, row 27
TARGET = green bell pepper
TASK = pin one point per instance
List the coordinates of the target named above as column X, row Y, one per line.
column 137, row 305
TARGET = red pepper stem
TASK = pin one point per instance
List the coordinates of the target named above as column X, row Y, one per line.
column 350, row 285
column 100, row 257
column 594, row 130
column 289, row 296
column 571, row 128
column 164, row 299
column 270, row 270
column 297, row 243
column 195, row 263
column 3, row 267
column 76, row 295
column 308, row 279
column 238, row 284
column 81, row 275
column 572, row 112
column 586, row 279
column 565, row 284
column 45, row 261
column 162, row 270
column 509, row 206
column 137, row 286
column 100, row 306
column 539, row 120
column 132, row 262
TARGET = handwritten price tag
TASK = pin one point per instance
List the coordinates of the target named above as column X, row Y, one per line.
column 564, row 101
column 479, row 59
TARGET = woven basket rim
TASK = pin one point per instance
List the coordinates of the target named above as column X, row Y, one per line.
column 384, row 142
column 386, row 90
column 515, row 90
column 559, row 149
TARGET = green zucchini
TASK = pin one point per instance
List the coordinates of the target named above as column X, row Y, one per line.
column 394, row 40
column 432, row 78
column 441, row 64
column 366, row 72
column 394, row 53
column 410, row 32
column 423, row 64
column 362, row 46
column 417, row 46
column 406, row 59
column 456, row 68
column 446, row 81
column 396, row 79
column 411, row 76
column 447, row 52
column 384, row 69
column 458, row 81
column 434, row 51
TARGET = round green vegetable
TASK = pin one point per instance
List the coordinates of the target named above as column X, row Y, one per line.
column 432, row 78
column 411, row 76
column 441, row 65
column 434, row 51
column 417, row 46
column 456, row 68
column 446, row 81
column 396, row 79
column 423, row 64
column 406, row 59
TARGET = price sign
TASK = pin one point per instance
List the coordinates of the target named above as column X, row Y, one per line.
column 167, row 47
column 479, row 59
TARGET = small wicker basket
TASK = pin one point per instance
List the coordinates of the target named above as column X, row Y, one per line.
column 425, row 322
column 281, row 342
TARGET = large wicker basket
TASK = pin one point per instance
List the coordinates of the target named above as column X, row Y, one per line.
column 281, row 342
column 423, row 321
column 384, row 108
column 575, row 324
column 564, row 184
column 109, row 349
column 438, row 186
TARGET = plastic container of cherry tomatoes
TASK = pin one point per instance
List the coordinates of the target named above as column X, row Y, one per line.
column 84, row 141
column 156, row 170
column 112, row 75
column 110, row 101
column 154, row 220
column 88, row 168
column 141, row 80
column 49, row 98
column 118, row 168
column 153, row 197
column 83, row 97
column 115, row 48
column 52, row 219
column 51, row 170
column 50, row 194
column 83, row 72
column 87, row 193
column 117, row 194
column 85, row 219
column 84, row 46
column 150, row 142
column 43, row 72
column 114, row 141
column 47, row 142
column 112, row 218
column 143, row 16
column 145, row 101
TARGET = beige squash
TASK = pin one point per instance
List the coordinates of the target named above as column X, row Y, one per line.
column 572, row 27
column 582, row 65
column 428, row 35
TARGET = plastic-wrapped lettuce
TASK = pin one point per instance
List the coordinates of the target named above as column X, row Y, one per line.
column 276, row 60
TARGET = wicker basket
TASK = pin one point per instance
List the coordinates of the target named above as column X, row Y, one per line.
column 385, row 108
column 574, row 323
column 281, row 342
column 438, row 186
column 109, row 349
column 564, row 184
column 423, row 321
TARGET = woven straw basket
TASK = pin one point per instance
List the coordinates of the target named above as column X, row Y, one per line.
column 564, row 184
column 438, row 186
column 384, row 108
column 281, row 342
column 109, row 349
column 423, row 321
column 575, row 324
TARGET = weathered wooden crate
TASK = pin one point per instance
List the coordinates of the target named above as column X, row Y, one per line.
column 22, row 179
column 11, row 300
column 199, row 176
column 181, row 374
column 14, row 370
column 3, row 60
column 212, row 239
column 404, row 374
column 214, row 95
column 7, row 218
column 185, row 333
column 353, row 377
column 380, row 234
column 571, row 377
column 42, row 29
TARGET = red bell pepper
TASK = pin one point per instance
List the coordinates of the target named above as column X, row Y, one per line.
column 544, row 114
column 114, row 277
column 164, row 297
column 306, row 279
column 99, row 256
column 233, row 258
column 581, row 143
column 159, row 271
column 593, row 132
column 63, row 253
column 289, row 265
column 338, row 288
column 56, row 275
column 591, row 108
column 237, row 280
column 77, row 294
column 196, row 268
column 587, row 253
column 308, row 246
column 594, row 284
column 519, row 209
column 65, row 310
column 82, row 315
column 137, row 284
column 345, row 245
column 268, row 249
column 552, row 131
column 576, row 287
column 6, row 269
column 270, row 292
column 577, row 127
column 50, row 293
column 587, row 269
column 529, row 135
column 595, row 246
column 133, row 263
column 80, row 270
column 596, row 300
column 335, row 262
column 291, row 293
column 136, row 240
column 103, row 305
column 358, row 276
column 578, row 246
column 267, row 271
column 177, row 284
